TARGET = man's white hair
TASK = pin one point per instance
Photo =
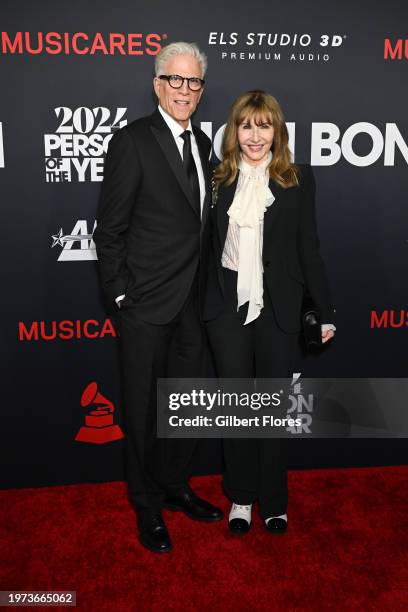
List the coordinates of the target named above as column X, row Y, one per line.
column 179, row 48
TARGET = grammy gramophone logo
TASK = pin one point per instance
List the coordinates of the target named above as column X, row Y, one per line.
column 99, row 426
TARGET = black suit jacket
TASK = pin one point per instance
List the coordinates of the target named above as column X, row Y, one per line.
column 291, row 258
column 149, row 238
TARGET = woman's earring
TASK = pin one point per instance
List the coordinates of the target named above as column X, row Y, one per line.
column 214, row 192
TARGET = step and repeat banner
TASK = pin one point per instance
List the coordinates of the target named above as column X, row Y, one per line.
column 71, row 75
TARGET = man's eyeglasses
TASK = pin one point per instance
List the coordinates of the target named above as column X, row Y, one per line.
column 176, row 81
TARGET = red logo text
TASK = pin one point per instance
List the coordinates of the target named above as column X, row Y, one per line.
column 80, row 43
column 65, row 330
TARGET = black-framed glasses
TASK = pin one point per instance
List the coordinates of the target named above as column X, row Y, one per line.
column 176, row 81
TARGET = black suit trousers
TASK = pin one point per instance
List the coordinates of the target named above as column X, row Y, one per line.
column 155, row 466
column 255, row 469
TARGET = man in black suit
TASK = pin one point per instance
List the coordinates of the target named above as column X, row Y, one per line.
column 150, row 242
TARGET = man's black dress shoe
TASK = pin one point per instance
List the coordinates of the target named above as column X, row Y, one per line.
column 193, row 506
column 276, row 525
column 153, row 533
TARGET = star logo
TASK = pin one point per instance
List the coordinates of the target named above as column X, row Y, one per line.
column 58, row 239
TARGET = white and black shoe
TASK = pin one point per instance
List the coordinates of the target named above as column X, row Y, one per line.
column 239, row 520
column 277, row 524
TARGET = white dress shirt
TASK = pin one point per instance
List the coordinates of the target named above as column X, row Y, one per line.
column 176, row 129
column 244, row 243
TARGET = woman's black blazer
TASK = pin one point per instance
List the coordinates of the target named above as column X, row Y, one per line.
column 291, row 257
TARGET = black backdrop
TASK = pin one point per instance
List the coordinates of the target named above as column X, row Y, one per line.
column 340, row 74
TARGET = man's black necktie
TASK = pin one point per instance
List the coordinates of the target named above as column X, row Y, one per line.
column 191, row 169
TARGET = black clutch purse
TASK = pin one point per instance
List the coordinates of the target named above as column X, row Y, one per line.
column 311, row 324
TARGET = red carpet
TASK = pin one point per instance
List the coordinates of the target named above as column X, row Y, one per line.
column 346, row 548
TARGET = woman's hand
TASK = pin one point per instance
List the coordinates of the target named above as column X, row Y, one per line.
column 328, row 331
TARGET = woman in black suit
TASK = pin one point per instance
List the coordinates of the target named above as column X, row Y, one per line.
column 264, row 254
